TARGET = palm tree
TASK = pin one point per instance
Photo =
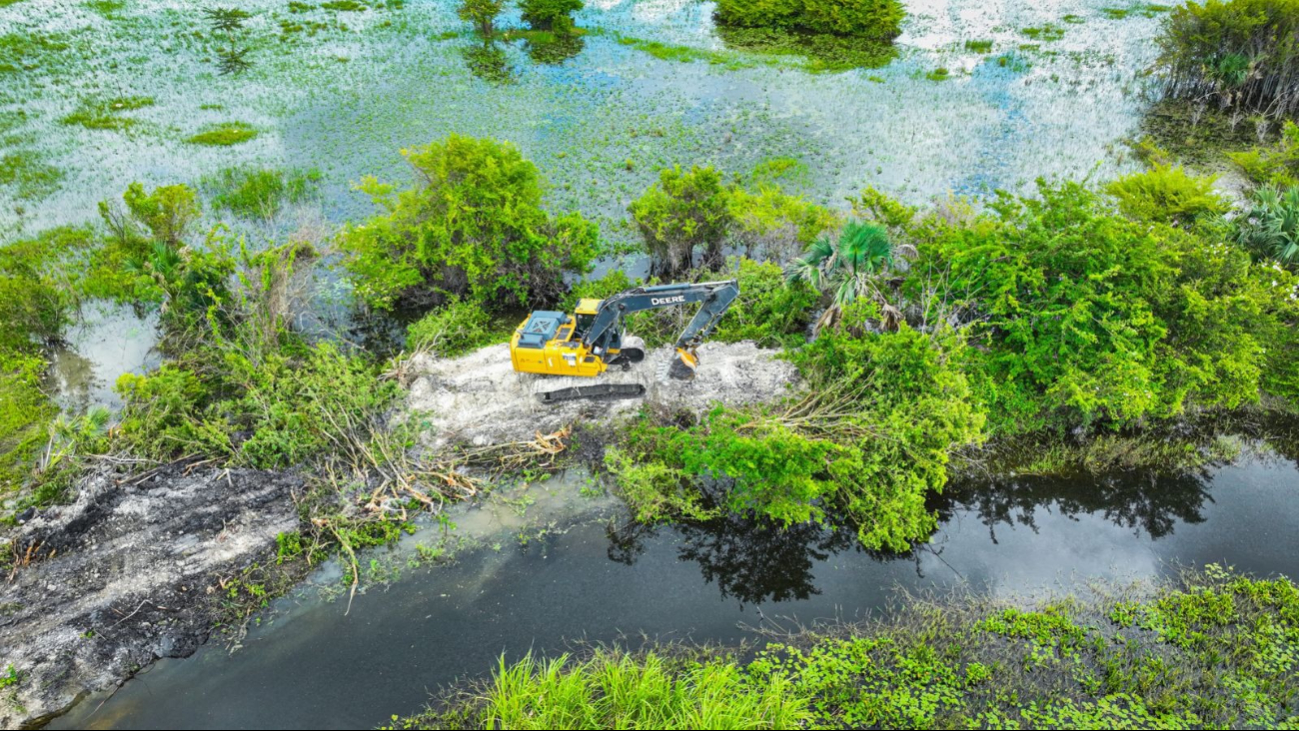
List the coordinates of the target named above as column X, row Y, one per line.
column 849, row 266
column 1272, row 226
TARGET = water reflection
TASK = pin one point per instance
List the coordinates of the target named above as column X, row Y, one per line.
column 1144, row 502
column 554, row 49
column 488, row 62
column 750, row 561
column 755, row 563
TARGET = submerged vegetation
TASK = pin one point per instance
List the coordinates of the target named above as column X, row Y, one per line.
column 1210, row 649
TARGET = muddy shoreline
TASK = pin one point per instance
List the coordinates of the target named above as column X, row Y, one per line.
column 130, row 572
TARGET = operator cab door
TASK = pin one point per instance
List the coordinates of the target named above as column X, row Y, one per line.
column 565, row 355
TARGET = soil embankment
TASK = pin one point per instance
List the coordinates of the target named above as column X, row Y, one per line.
column 479, row 399
column 129, row 572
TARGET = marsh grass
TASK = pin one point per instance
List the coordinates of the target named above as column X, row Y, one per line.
column 225, row 134
column 615, row 689
column 260, row 193
column 107, row 114
column 28, row 175
column 1209, row 648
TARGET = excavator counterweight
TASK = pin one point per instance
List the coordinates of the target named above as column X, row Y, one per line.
column 589, row 341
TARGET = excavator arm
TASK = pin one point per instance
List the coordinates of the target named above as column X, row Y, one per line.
column 716, row 298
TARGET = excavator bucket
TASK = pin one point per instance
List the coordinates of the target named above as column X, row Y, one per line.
column 683, row 365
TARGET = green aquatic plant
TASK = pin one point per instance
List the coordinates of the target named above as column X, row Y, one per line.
column 28, row 175
column 979, row 46
column 939, row 74
column 253, row 192
column 225, row 134
column 107, row 114
column 1046, row 32
column 1203, row 649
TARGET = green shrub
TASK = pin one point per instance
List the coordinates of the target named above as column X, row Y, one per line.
column 475, row 229
column 37, row 291
column 1082, row 315
column 169, row 212
column 1276, row 165
column 1240, row 51
column 24, row 418
column 167, row 414
column 768, row 310
column 453, row 329
column 298, row 406
column 1166, row 194
column 681, row 212
column 772, row 223
column 556, row 15
column 865, row 444
column 260, row 192
column 613, row 282
column 877, row 19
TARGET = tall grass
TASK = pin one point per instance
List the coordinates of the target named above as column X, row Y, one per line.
column 613, row 689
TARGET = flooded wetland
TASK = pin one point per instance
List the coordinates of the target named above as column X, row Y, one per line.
column 1007, row 399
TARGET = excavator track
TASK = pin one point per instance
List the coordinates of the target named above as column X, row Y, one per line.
column 603, row 392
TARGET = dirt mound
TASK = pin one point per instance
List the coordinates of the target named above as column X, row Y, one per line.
column 479, row 399
column 130, row 580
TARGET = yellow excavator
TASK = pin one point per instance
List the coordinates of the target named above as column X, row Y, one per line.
column 589, row 341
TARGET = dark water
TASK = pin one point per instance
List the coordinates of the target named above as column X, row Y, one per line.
column 316, row 668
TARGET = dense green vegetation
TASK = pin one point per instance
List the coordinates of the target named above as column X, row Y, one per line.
column 473, row 228
column 1072, row 311
column 875, row 19
column 552, row 15
column 1238, row 53
column 1209, row 650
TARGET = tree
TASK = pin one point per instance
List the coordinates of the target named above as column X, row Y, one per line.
column 556, row 15
column 681, row 212
column 168, row 212
column 848, row 265
column 473, row 228
column 482, row 13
